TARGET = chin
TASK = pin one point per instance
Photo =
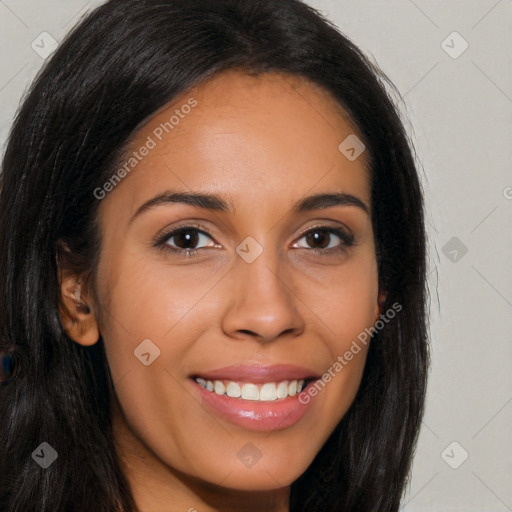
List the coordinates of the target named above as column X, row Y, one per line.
column 257, row 475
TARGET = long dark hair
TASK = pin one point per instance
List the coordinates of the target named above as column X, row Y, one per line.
column 123, row 62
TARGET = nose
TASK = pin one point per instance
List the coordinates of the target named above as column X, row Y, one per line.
column 262, row 301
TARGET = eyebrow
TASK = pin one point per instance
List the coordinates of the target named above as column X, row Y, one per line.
column 216, row 203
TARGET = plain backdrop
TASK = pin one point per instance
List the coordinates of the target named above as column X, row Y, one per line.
column 451, row 63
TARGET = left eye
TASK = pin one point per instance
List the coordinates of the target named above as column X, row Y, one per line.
column 323, row 236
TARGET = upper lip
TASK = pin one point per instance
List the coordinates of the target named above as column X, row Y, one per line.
column 259, row 374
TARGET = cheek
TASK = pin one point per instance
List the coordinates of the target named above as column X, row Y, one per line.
column 347, row 309
column 143, row 301
column 346, row 302
column 159, row 311
column 351, row 311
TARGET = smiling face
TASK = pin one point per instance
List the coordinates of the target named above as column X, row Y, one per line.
column 274, row 281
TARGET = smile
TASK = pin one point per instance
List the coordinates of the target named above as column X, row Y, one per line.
column 266, row 392
column 258, row 398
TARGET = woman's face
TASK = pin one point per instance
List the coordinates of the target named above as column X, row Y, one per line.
column 264, row 300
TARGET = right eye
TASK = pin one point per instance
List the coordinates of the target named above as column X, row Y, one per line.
column 183, row 240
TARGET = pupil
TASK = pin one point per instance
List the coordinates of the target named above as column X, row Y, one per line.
column 185, row 234
column 314, row 236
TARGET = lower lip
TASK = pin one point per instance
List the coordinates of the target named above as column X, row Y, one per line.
column 255, row 415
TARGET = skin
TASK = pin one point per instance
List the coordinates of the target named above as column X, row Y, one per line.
column 262, row 143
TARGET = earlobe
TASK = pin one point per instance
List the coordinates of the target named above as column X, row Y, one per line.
column 76, row 314
column 378, row 307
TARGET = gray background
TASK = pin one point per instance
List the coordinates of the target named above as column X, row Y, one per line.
column 459, row 113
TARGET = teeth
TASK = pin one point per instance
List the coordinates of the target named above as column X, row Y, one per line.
column 282, row 390
column 250, row 392
column 267, row 392
column 232, row 389
column 219, row 387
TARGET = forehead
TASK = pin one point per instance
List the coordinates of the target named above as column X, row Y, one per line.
column 274, row 135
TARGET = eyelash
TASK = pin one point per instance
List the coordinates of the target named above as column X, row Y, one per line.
column 347, row 240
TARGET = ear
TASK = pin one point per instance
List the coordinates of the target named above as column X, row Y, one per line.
column 76, row 311
column 380, row 302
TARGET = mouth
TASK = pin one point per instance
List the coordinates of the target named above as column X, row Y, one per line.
column 252, row 391
column 259, row 398
column 257, row 383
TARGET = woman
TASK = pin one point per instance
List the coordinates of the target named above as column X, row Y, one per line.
column 213, row 269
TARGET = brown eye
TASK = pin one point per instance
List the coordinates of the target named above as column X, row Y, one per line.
column 184, row 240
column 323, row 239
column 319, row 238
